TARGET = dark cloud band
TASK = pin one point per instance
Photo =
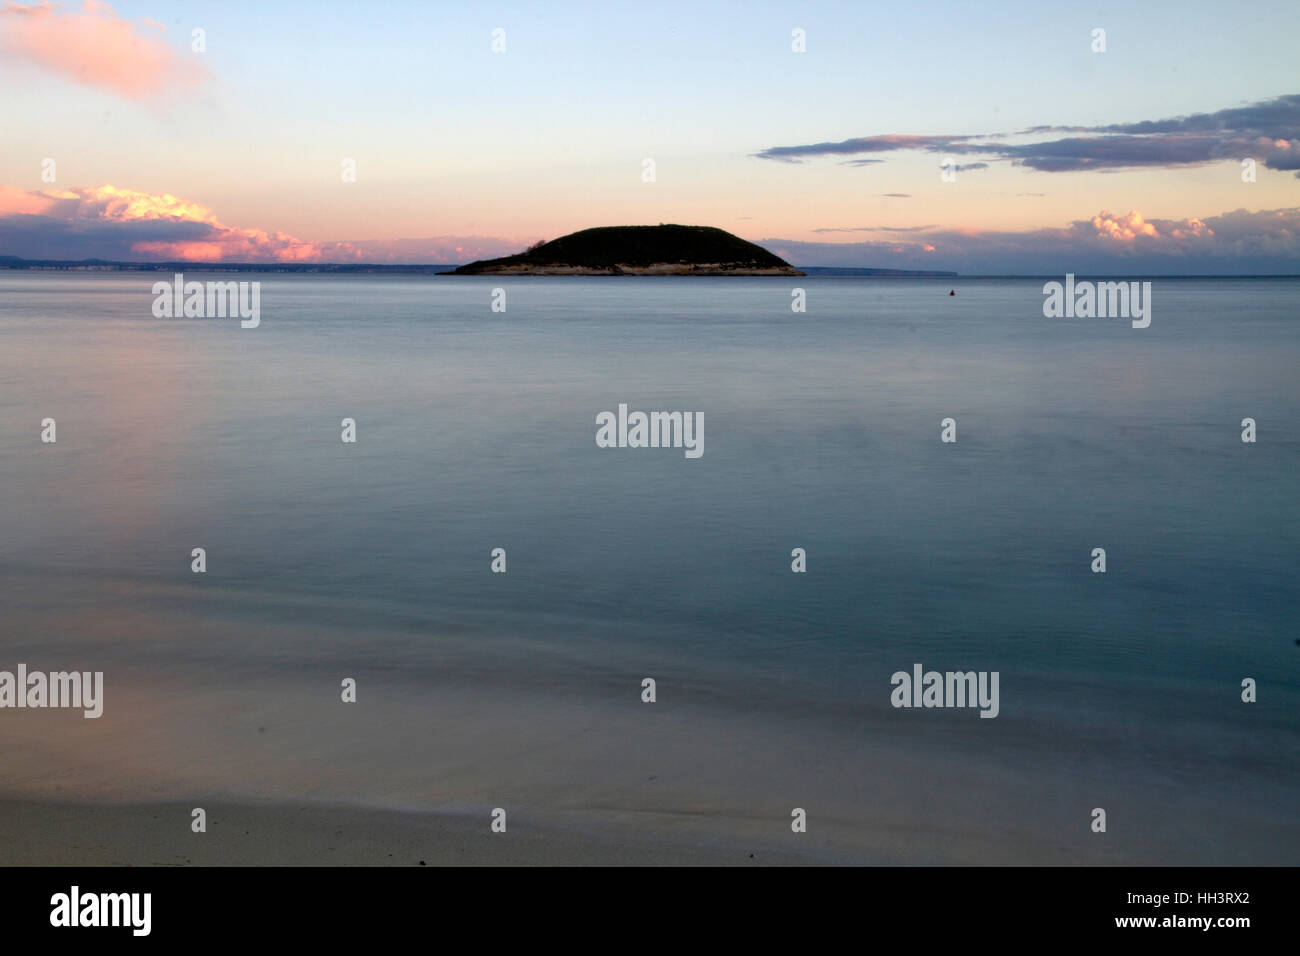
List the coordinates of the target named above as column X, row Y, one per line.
column 1268, row 131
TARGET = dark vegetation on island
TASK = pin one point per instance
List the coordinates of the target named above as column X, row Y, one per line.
column 639, row 250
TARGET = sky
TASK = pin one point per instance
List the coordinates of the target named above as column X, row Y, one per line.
column 129, row 136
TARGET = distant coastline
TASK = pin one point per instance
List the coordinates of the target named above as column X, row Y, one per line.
column 16, row 263
column 899, row 273
column 375, row 268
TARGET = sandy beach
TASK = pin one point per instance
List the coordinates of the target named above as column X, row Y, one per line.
column 54, row 834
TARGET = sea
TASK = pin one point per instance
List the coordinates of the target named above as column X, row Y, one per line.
column 349, row 642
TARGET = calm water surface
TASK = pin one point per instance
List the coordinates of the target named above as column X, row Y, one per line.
column 476, row 431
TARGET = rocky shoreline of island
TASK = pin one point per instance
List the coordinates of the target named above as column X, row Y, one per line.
column 652, row 269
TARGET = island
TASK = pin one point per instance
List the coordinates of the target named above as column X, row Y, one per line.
column 613, row 250
column 663, row 250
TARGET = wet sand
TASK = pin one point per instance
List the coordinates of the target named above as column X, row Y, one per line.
column 55, row 834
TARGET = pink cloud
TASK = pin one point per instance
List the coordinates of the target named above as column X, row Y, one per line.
column 15, row 201
column 1240, row 242
column 98, row 48
column 111, row 222
column 163, row 226
column 1123, row 228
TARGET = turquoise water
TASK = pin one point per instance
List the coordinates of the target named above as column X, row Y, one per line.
column 476, row 431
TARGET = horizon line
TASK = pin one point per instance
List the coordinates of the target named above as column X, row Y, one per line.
column 7, row 263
